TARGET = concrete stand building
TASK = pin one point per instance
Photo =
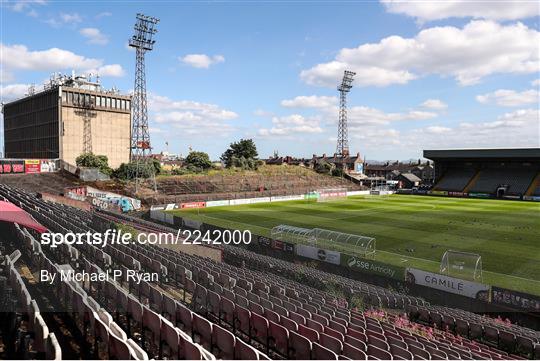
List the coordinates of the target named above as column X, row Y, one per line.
column 71, row 116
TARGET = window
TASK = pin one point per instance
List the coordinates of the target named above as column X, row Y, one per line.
column 98, row 101
column 64, row 97
column 128, row 103
column 108, row 102
column 76, row 98
column 93, row 100
column 87, row 99
column 123, row 104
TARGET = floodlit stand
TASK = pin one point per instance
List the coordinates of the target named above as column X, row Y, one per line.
column 142, row 41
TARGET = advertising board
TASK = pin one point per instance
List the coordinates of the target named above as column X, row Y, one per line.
column 318, row 254
column 193, row 205
column 438, row 193
column 32, row 166
column 449, row 284
column 517, row 299
column 371, row 266
column 479, row 195
column 8, row 166
column 217, row 203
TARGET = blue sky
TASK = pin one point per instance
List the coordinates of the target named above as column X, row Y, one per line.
column 429, row 74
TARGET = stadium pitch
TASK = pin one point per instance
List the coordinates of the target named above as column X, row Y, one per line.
column 411, row 231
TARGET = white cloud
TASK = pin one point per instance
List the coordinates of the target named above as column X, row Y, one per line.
column 437, row 10
column 13, row 91
column 94, row 36
column 103, row 14
column 23, row 5
column 19, row 57
column 312, row 101
column 201, row 60
column 435, row 129
column 64, row 19
column 510, row 98
column 290, row 125
column 520, row 128
column 112, row 70
column 361, row 116
column 535, row 83
column 191, row 117
column 435, row 104
column 262, row 113
column 481, row 48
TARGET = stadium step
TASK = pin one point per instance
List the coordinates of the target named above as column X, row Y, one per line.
column 534, row 184
column 472, row 182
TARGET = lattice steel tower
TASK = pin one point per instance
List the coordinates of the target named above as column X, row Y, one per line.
column 87, row 111
column 343, row 133
column 142, row 42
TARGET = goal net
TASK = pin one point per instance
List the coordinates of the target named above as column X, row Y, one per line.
column 329, row 194
column 462, row 265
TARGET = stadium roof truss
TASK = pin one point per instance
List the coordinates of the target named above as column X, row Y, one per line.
column 324, row 238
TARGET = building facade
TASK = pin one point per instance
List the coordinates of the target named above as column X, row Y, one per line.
column 70, row 117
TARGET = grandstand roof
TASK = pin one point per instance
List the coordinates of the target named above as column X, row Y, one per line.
column 13, row 214
column 497, row 153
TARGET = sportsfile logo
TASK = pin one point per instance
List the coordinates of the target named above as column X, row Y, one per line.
column 116, row 236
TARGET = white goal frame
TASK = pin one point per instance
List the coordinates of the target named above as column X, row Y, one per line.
column 450, row 265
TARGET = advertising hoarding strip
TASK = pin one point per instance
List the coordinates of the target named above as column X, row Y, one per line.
column 449, row 284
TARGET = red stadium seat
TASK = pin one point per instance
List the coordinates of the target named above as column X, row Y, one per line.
column 259, row 328
column 192, row 352
column 289, row 324
column 224, row 341
column 170, row 337
column 278, row 338
column 271, row 315
column 309, row 333
column 243, row 351
column 331, row 343
column 202, row 330
column 355, row 342
column 242, row 318
column 378, row 353
column 227, row 311
column 322, row 353
column 299, row 347
column 184, row 317
column 354, row 353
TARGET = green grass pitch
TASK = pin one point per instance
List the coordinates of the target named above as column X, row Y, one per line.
column 505, row 233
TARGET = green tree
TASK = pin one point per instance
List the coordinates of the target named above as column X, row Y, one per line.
column 323, row 166
column 244, row 148
column 198, row 160
column 157, row 166
column 129, row 170
column 91, row 160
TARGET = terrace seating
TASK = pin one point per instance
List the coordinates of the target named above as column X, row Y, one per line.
column 517, row 180
column 455, row 179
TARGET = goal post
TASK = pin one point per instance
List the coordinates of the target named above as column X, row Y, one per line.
column 464, row 265
column 330, row 194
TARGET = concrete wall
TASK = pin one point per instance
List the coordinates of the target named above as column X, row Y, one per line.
column 110, row 135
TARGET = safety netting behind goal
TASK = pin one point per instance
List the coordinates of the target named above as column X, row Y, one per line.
column 325, row 238
column 329, row 194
